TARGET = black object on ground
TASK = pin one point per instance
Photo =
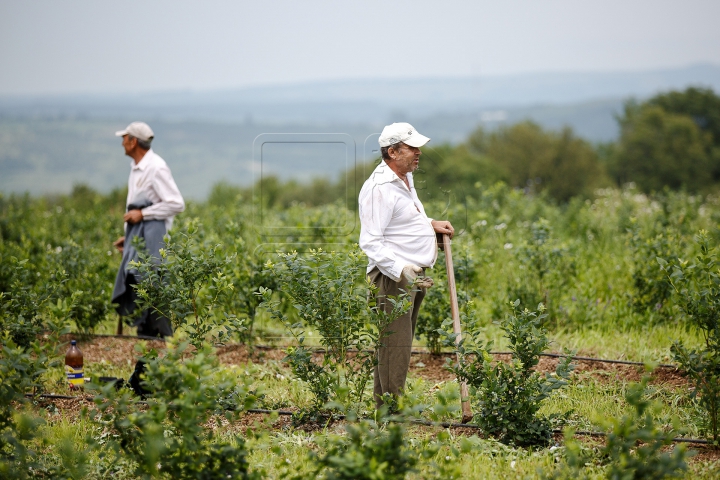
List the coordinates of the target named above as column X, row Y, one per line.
column 135, row 381
column 118, row 382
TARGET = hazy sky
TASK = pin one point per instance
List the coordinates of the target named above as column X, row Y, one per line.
column 74, row 46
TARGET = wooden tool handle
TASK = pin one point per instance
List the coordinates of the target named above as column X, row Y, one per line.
column 455, row 312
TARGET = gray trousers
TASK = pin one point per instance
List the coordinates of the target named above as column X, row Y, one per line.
column 394, row 354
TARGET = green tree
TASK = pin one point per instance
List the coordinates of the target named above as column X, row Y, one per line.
column 700, row 104
column 450, row 172
column 561, row 164
column 573, row 169
column 703, row 106
column 518, row 150
column 658, row 149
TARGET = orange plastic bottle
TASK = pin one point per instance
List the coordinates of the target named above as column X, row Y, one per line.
column 74, row 366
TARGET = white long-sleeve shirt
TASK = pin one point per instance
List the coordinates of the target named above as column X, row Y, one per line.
column 394, row 229
column 151, row 179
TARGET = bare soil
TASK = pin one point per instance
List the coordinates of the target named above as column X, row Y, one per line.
column 122, row 351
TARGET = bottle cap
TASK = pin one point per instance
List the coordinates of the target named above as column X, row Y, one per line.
column 73, row 342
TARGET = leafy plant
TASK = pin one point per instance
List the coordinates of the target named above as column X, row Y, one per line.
column 543, row 265
column 84, row 284
column 652, row 289
column 698, row 288
column 168, row 437
column 368, row 451
column 19, row 374
column 635, row 443
column 21, row 369
column 324, row 290
column 507, row 397
column 24, row 305
column 247, row 273
column 187, row 286
column 572, row 460
column 379, row 448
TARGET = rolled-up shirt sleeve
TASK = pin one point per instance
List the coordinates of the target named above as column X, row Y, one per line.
column 171, row 201
column 376, row 210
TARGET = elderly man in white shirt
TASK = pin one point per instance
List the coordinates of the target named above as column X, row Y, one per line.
column 400, row 242
column 153, row 201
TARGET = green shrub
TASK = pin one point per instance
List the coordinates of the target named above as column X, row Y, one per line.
column 168, row 437
column 368, row 451
column 573, row 459
column 19, row 374
column 21, row 369
column 188, row 286
column 435, row 310
column 326, row 295
column 652, row 289
column 379, row 448
column 507, row 397
column 85, row 284
column 635, row 442
column 247, row 273
column 544, row 269
column 635, row 446
column 698, row 288
column 22, row 307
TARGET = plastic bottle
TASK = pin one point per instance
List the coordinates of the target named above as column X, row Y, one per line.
column 74, row 366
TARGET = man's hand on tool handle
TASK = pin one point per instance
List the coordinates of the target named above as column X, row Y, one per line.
column 411, row 274
column 443, row 226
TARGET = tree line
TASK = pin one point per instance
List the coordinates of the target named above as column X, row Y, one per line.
column 671, row 140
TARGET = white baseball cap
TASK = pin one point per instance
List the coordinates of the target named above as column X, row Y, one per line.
column 139, row 130
column 401, row 132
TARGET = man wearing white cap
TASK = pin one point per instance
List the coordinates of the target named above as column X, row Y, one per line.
column 400, row 242
column 153, row 201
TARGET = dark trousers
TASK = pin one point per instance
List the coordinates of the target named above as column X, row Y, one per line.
column 153, row 325
column 149, row 323
column 394, row 354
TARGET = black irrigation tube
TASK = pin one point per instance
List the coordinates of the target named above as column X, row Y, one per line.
column 427, row 423
column 591, row 359
column 414, row 352
column 113, row 335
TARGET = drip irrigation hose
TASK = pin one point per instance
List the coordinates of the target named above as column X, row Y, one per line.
column 414, row 352
column 591, row 359
column 113, row 335
column 262, row 411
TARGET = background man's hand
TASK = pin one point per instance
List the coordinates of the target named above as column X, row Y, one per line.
column 443, row 226
column 119, row 244
column 410, row 274
column 133, row 216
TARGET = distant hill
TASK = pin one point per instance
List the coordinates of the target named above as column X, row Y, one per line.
column 48, row 143
column 370, row 101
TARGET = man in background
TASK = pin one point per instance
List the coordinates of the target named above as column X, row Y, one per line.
column 400, row 242
column 153, row 201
